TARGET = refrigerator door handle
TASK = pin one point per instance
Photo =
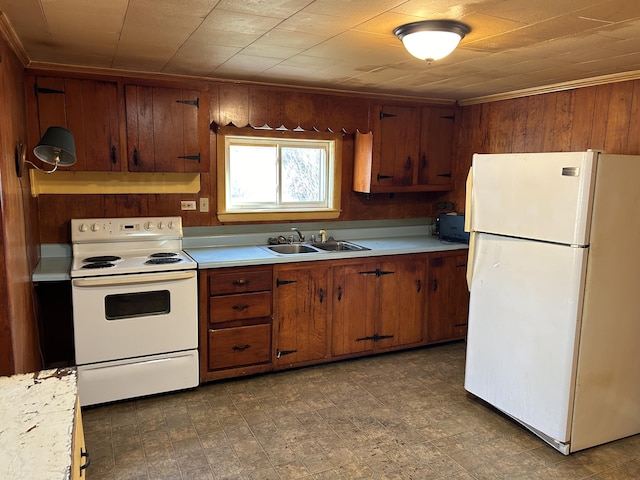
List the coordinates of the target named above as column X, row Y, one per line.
column 468, row 226
column 471, row 258
column 468, row 204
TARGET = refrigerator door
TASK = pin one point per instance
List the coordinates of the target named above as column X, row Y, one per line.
column 524, row 314
column 542, row 196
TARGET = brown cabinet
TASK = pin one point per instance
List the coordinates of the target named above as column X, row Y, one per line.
column 448, row 302
column 301, row 301
column 167, row 129
column 89, row 108
column 378, row 304
column 409, row 150
column 235, row 321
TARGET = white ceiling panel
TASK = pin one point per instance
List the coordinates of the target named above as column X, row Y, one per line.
column 337, row 44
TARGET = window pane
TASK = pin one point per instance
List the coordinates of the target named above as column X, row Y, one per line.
column 252, row 174
column 303, row 174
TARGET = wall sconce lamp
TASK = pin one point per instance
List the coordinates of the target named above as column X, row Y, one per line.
column 431, row 39
column 56, row 147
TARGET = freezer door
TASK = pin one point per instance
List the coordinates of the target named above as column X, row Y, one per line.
column 541, row 196
column 524, row 315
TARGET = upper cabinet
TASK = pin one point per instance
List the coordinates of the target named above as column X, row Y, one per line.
column 163, row 129
column 408, row 150
column 88, row 108
column 167, row 129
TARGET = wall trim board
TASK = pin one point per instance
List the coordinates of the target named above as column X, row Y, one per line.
column 112, row 182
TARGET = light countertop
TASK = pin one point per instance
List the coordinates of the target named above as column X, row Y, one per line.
column 37, row 424
column 243, row 255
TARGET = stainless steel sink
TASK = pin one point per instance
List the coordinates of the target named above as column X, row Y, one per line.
column 339, row 246
column 292, row 248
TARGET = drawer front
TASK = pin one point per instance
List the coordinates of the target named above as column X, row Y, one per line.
column 240, row 281
column 241, row 346
column 239, row 307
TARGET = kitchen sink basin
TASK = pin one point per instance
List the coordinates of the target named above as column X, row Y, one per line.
column 292, row 248
column 339, row 246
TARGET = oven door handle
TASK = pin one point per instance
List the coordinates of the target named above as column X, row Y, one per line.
column 133, row 279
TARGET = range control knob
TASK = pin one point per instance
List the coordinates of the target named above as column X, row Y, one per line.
column 171, row 225
column 95, row 227
column 161, row 226
column 83, row 227
column 149, row 226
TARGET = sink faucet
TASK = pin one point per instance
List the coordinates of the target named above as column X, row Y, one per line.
column 300, row 235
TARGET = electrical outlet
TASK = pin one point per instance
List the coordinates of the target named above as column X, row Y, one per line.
column 204, row 204
column 188, row 205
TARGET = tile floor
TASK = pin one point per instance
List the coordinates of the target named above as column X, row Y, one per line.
column 396, row 416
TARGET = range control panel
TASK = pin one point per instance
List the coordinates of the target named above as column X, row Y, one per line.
column 89, row 230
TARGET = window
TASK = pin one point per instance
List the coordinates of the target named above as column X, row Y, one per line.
column 276, row 175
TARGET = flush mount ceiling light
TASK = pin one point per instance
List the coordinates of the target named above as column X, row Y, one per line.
column 56, row 147
column 431, row 39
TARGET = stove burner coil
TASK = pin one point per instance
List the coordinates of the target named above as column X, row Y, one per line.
column 162, row 260
column 163, row 255
column 99, row 265
column 101, row 259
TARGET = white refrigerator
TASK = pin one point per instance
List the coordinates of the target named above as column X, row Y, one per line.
column 554, row 275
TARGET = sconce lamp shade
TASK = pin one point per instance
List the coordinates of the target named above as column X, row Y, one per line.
column 431, row 39
column 56, row 147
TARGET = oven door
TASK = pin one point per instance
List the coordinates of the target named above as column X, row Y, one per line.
column 125, row 316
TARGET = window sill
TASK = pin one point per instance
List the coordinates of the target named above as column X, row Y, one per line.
column 228, row 217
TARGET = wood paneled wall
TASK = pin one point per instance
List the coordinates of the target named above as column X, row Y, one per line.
column 604, row 117
column 19, row 233
column 242, row 105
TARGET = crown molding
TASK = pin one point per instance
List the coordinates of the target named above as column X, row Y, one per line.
column 556, row 87
column 9, row 34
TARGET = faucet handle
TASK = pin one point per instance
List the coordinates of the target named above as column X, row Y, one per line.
column 323, row 236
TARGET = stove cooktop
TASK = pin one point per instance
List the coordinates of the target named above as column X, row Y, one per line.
column 112, row 246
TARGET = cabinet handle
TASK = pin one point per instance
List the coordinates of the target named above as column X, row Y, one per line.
column 339, row 293
column 435, row 284
column 84, row 454
column 190, row 157
column 407, row 166
column 240, row 349
column 240, row 282
column 382, row 177
column 136, row 157
column 114, row 160
column 240, row 307
column 419, row 284
column 424, row 161
column 321, row 292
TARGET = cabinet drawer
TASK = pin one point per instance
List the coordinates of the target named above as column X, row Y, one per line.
column 239, row 307
column 234, row 347
column 240, row 281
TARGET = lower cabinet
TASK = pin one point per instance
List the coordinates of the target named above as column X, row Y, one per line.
column 235, row 322
column 262, row 318
column 448, row 302
column 301, row 299
column 378, row 304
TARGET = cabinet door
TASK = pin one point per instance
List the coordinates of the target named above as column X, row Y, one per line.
column 88, row 108
column 301, row 299
column 436, row 146
column 167, row 129
column 356, row 308
column 448, row 302
column 402, row 302
column 396, row 141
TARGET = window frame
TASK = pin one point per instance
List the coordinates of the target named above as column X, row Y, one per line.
column 334, row 178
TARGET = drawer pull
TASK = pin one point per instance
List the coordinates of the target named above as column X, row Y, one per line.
column 240, row 307
column 240, row 282
column 84, row 454
column 240, row 349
